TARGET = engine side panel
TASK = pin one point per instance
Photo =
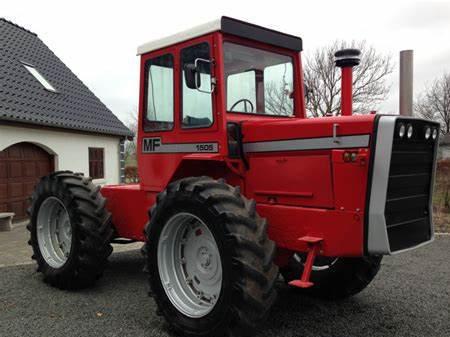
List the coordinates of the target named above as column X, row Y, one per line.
column 302, row 184
column 291, row 179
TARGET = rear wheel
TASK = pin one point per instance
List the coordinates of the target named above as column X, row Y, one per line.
column 70, row 230
column 210, row 262
column 334, row 278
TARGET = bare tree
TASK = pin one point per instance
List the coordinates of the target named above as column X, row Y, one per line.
column 277, row 100
column 323, row 79
column 434, row 104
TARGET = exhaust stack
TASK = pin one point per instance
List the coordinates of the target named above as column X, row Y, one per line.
column 346, row 59
column 406, row 82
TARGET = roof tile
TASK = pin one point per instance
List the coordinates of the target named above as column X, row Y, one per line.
column 24, row 99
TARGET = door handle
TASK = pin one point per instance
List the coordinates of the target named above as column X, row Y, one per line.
column 335, row 131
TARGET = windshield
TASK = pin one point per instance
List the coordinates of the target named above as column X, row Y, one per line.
column 258, row 81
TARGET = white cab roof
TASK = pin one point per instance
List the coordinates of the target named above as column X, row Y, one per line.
column 191, row 33
column 229, row 26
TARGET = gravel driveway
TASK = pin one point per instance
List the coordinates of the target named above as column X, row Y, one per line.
column 409, row 297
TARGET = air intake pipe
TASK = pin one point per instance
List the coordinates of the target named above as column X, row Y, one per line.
column 406, row 82
column 346, row 59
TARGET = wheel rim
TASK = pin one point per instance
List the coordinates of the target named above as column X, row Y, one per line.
column 320, row 262
column 54, row 232
column 189, row 265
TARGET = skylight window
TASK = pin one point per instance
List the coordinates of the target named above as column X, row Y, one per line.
column 38, row 76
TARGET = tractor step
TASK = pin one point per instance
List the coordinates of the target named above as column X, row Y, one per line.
column 313, row 244
column 301, row 284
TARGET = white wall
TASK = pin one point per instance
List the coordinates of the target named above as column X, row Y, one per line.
column 445, row 152
column 70, row 149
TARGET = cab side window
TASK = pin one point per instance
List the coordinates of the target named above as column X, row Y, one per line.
column 197, row 109
column 159, row 83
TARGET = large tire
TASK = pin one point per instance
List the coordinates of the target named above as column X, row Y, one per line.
column 246, row 254
column 87, row 223
column 344, row 277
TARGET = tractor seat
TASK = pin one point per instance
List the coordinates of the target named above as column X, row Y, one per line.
column 191, row 121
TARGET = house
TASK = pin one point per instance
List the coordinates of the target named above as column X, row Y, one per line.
column 49, row 120
column 444, row 147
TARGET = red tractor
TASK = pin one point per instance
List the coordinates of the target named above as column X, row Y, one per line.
column 237, row 185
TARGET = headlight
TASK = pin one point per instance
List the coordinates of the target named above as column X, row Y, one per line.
column 427, row 132
column 401, row 130
column 435, row 134
column 410, row 131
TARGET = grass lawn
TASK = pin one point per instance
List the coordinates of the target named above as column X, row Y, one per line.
column 441, row 199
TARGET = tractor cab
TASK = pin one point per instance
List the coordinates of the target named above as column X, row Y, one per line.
column 197, row 87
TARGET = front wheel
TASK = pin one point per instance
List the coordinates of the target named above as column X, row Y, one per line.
column 334, row 278
column 209, row 259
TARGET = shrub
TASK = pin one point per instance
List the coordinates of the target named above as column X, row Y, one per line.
column 131, row 174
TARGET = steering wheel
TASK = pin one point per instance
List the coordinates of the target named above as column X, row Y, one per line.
column 245, row 101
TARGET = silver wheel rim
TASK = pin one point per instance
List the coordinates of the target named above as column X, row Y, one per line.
column 54, row 232
column 189, row 265
column 320, row 263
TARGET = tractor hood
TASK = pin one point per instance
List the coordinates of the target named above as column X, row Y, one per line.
column 307, row 134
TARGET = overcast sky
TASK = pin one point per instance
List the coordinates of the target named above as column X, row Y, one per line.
column 97, row 40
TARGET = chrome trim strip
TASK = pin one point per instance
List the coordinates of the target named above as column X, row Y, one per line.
column 377, row 239
column 345, row 142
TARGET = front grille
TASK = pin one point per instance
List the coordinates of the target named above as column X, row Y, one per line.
column 407, row 208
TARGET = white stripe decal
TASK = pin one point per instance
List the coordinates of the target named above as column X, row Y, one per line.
column 308, row 144
column 155, row 145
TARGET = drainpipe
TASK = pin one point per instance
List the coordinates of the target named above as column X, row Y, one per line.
column 406, row 82
column 346, row 59
column 122, row 161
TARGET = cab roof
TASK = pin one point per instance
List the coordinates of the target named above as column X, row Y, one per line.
column 229, row 26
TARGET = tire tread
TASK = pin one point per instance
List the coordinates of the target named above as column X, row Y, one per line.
column 253, row 269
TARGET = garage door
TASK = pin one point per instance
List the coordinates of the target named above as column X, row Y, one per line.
column 21, row 165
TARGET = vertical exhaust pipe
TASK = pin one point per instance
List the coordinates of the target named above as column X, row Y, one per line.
column 406, row 82
column 346, row 59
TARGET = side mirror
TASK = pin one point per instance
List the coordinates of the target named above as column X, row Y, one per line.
column 192, row 76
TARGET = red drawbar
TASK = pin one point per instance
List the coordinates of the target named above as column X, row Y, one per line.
column 313, row 249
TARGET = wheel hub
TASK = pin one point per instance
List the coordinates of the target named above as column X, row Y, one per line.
column 54, row 232
column 204, row 257
column 189, row 265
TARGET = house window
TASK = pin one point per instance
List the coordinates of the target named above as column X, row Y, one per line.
column 39, row 77
column 96, row 163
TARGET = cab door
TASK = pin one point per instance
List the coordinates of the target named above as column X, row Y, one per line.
column 193, row 132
